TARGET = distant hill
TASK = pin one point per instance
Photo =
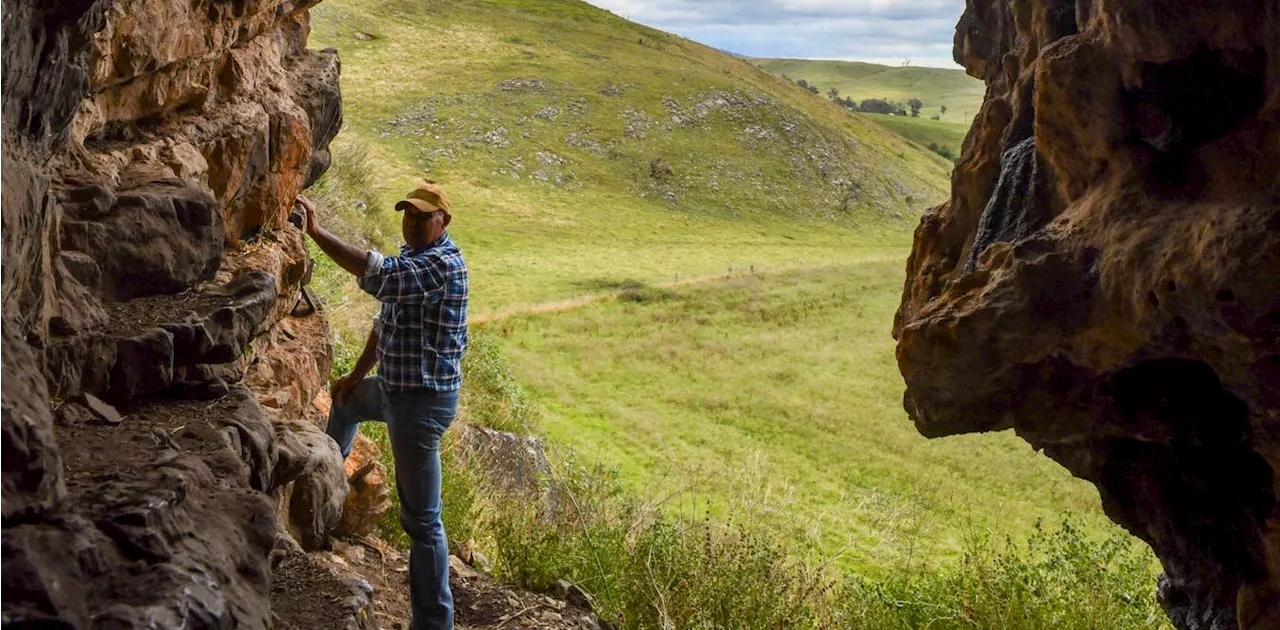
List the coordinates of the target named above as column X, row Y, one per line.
column 960, row 93
column 578, row 137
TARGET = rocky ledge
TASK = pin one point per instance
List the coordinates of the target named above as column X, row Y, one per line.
column 1105, row 279
column 163, row 461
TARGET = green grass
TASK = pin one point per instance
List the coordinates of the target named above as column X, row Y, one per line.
column 561, row 183
column 925, row 132
column 621, row 159
column 935, row 87
column 781, row 387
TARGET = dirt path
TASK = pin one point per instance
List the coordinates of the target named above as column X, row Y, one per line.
column 480, row 601
column 581, row 301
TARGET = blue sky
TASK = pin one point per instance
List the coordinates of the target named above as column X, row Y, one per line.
column 883, row 31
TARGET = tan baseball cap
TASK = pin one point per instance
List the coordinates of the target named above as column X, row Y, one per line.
column 425, row 198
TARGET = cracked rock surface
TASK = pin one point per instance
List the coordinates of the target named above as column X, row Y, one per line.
column 152, row 463
column 1105, row 279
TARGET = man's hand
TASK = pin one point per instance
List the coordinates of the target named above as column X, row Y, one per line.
column 310, row 206
column 343, row 387
column 350, row 258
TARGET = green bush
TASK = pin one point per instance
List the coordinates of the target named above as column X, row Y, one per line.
column 1055, row 579
column 944, row 151
column 491, row 397
column 649, row 569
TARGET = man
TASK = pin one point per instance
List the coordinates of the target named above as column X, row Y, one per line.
column 417, row 341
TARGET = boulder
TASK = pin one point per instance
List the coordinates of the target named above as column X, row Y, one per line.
column 1105, row 279
column 310, row 460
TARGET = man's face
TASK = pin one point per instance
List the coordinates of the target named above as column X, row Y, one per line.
column 422, row 229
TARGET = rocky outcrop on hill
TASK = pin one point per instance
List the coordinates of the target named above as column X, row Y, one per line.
column 160, row 449
column 1105, row 279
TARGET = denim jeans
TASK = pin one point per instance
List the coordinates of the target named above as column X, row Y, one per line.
column 415, row 421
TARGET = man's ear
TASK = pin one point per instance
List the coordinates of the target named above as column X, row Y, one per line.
column 447, row 218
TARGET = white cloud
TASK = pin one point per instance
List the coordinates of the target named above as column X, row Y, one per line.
column 884, row 31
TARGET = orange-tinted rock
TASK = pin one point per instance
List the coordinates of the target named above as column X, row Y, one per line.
column 1105, row 279
column 369, row 495
column 152, row 150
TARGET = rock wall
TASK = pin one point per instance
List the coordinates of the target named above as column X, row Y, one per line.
column 1105, row 279
column 152, row 466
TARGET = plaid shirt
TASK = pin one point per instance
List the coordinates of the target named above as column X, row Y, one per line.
column 424, row 315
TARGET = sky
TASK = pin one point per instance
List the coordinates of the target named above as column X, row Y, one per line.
column 880, row 31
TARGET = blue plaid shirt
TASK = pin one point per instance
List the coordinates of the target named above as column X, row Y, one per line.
column 423, row 317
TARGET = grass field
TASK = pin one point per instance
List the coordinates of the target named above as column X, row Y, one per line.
column 936, row 87
column 780, row 390
column 923, row 131
column 586, row 155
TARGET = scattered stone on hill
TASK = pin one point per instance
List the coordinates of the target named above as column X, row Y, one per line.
column 498, row 137
column 637, row 123
column 616, row 89
column 576, row 106
column 522, row 85
column 577, row 139
column 364, row 37
column 1110, row 287
column 550, row 112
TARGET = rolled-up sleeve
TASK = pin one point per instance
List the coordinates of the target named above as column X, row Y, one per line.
column 403, row 279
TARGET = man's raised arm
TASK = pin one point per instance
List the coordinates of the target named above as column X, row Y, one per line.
column 349, row 257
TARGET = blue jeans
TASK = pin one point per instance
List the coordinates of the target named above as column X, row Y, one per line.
column 415, row 421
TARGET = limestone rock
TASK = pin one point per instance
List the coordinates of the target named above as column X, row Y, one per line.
column 1105, row 279
column 513, row 464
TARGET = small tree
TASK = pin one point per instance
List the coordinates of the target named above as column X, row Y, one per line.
column 813, row 88
column 915, row 104
column 944, row 110
column 834, row 94
column 802, row 83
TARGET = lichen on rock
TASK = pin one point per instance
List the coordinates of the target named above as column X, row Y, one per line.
column 1110, row 288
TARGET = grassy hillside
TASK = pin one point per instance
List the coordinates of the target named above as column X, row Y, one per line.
column 781, row 390
column 580, row 148
column 936, row 87
column 923, row 131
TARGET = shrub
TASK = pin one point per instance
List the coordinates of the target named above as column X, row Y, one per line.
column 877, row 106
column 491, row 397
column 1055, row 579
column 944, row 151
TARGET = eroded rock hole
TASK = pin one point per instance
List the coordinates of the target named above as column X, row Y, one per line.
column 1193, row 487
column 1183, row 104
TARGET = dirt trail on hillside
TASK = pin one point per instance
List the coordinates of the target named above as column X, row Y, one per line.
column 480, row 601
column 584, row 300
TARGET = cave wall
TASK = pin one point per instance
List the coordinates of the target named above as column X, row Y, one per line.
column 154, row 464
column 1105, row 278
